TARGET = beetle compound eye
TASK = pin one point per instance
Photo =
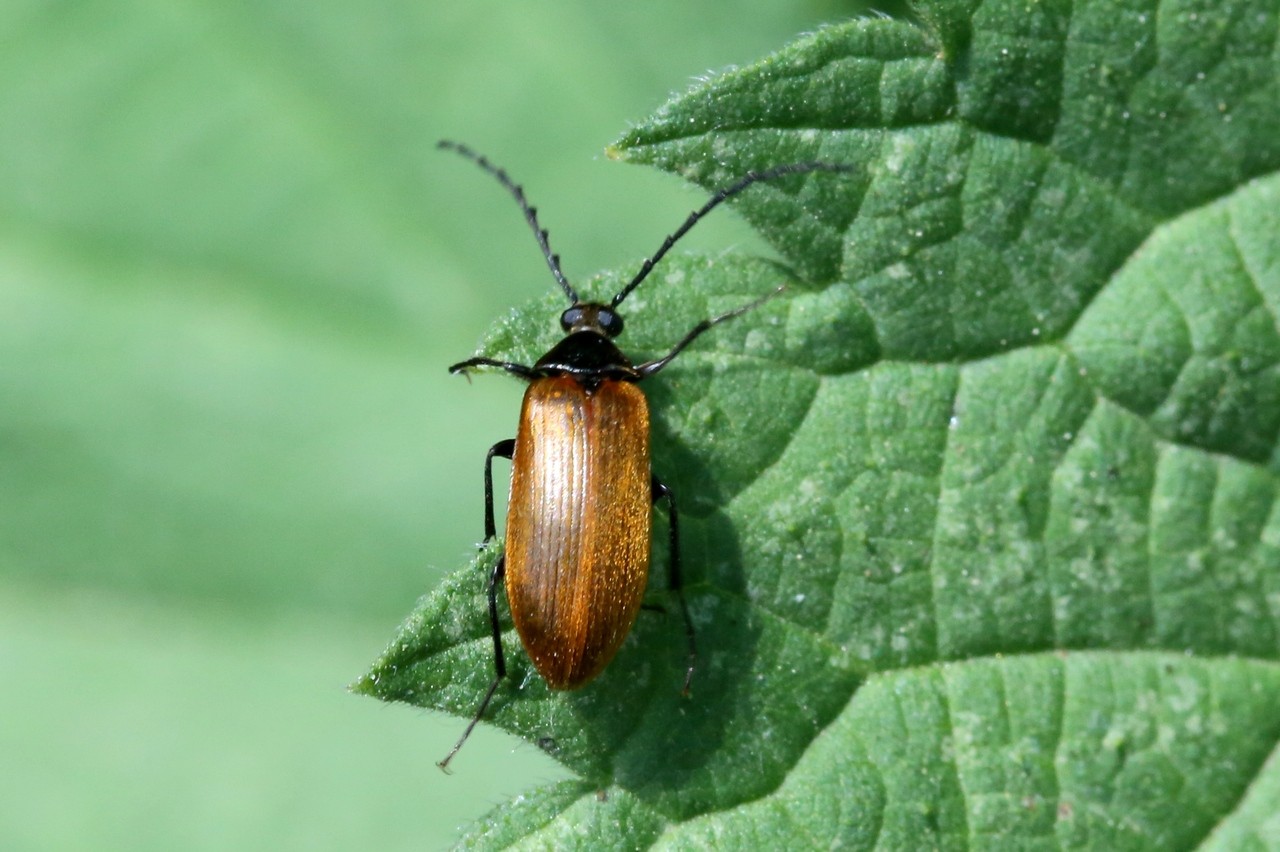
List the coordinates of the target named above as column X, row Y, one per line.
column 610, row 322
column 571, row 318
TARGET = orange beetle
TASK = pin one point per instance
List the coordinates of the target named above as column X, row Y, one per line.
column 576, row 559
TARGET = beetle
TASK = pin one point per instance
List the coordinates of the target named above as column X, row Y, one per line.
column 576, row 557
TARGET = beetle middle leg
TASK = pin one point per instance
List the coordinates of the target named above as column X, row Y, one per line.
column 675, row 582
column 503, row 449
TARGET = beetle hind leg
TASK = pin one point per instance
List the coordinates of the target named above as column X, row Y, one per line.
column 502, row 449
column 675, row 581
column 499, row 660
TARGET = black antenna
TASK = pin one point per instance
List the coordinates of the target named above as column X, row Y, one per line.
column 530, row 213
column 721, row 196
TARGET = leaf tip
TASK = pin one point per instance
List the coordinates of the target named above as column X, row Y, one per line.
column 366, row 684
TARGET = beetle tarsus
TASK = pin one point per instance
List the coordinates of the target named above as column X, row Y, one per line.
column 444, row 764
column 519, row 370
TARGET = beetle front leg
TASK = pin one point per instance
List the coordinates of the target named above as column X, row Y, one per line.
column 519, row 370
column 675, row 582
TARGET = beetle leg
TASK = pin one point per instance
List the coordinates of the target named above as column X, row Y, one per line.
column 520, row 370
column 503, row 449
column 499, row 661
column 675, row 582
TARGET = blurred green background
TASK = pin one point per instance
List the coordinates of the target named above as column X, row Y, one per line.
column 233, row 270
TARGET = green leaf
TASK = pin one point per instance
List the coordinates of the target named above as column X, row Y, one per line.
column 980, row 515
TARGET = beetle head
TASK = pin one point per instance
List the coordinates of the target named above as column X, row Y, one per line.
column 592, row 316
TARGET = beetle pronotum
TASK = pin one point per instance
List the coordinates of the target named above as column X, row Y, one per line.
column 576, row 559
